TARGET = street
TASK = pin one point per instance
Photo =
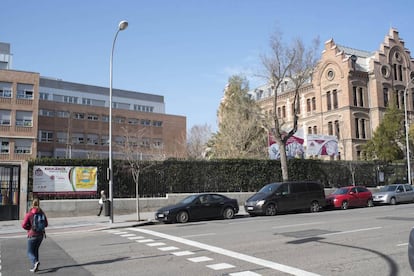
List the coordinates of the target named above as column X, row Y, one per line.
column 360, row 241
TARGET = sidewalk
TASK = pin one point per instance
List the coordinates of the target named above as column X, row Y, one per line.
column 101, row 222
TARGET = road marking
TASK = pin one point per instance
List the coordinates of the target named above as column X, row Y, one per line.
column 294, row 225
column 403, row 244
column 119, row 233
column 220, row 266
column 244, row 273
column 200, row 259
column 200, row 235
column 127, row 235
column 156, row 244
column 147, row 240
column 168, row 248
column 233, row 254
column 351, row 231
column 183, row 253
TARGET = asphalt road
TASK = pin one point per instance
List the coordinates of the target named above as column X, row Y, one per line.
column 362, row 241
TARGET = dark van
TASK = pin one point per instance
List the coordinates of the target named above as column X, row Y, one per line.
column 286, row 196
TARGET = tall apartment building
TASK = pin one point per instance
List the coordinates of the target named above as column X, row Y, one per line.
column 349, row 92
column 44, row 117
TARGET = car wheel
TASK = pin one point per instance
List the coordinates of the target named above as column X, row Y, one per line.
column 393, row 201
column 270, row 210
column 182, row 217
column 344, row 205
column 314, row 207
column 370, row 203
column 228, row 213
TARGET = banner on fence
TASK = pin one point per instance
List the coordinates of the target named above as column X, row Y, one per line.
column 61, row 179
column 301, row 144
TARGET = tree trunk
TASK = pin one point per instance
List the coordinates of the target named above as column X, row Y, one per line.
column 283, row 162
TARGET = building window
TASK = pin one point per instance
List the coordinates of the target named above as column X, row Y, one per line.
column 315, row 130
column 330, row 128
column 157, row 123
column 356, row 127
column 354, row 90
column 309, row 130
column 385, row 95
column 86, row 101
column 119, row 120
column 105, row 118
column 93, row 117
column 313, row 103
column 5, row 90
column 4, row 146
column 328, row 100
column 279, row 112
column 45, row 136
column 400, row 72
column 22, row 146
column 283, row 111
column 70, row 99
column 63, row 114
column 335, row 99
column 104, row 140
column 92, row 139
column 337, row 129
column 25, row 91
column 394, row 68
column 145, row 122
column 79, row 116
column 46, row 113
column 157, row 143
column 62, row 137
column 361, row 97
column 43, row 96
column 397, row 99
column 77, row 138
column 308, row 105
column 24, row 118
column 143, row 108
column 363, row 136
column 132, row 121
column 5, row 117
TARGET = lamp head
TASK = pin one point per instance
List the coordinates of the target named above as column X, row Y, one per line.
column 123, row 25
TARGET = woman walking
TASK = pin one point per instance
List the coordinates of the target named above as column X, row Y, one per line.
column 34, row 222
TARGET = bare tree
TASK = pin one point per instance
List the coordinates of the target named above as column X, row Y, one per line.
column 291, row 64
column 136, row 149
column 197, row 139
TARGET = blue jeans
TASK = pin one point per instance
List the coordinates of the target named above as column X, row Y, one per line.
column 33, row 245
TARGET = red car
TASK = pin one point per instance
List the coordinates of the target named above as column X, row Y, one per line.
column 351, row 196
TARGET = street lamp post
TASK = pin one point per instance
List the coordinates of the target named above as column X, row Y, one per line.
column 122, row 26
column 407, row 144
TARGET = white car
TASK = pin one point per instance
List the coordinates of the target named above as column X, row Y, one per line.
column 393, row 194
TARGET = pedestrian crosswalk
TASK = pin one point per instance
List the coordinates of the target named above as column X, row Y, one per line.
column 176, row 251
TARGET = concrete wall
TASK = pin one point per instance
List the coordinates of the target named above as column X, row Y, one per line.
column 87, row 207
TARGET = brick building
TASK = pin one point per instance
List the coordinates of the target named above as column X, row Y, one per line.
column 349, row 92
column 44, row 117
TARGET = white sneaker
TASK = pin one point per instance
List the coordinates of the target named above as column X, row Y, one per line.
column 35, row 267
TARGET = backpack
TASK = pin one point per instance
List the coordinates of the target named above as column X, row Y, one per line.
column 39, row 222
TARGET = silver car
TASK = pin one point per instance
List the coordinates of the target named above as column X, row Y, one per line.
column 393, row 194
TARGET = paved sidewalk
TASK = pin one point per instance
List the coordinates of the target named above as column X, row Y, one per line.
column 119, row 221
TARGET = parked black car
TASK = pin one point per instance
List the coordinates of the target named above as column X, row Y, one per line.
column 286, row 196
column 199, row 206
column 411, row 249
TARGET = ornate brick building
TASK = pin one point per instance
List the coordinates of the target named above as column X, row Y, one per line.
column 349, row 92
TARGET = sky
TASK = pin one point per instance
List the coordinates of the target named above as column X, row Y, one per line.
column 184, row 50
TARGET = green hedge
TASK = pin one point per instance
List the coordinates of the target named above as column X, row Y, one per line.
column 239, row 175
